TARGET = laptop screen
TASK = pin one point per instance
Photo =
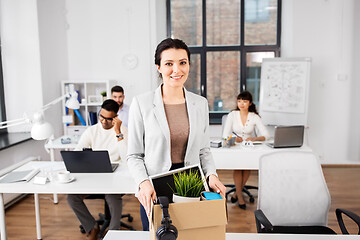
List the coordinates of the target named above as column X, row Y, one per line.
column 288, row 136
column 87, row 161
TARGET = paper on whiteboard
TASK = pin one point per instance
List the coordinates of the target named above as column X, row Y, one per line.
column 284, row 86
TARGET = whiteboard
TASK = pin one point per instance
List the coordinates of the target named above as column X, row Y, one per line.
column 284, row 91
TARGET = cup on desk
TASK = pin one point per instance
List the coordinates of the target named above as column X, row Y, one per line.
column 63, row 176
column 47, row 172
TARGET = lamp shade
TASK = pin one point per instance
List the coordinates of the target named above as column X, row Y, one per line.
column 41, row 130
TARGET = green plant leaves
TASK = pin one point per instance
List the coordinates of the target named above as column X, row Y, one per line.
column 188, row 184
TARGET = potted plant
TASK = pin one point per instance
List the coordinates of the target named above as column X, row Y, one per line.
column 103, row 94
column 188, row 186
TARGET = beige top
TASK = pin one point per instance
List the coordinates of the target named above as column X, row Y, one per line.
column 178, row 121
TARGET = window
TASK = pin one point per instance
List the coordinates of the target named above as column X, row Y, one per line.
column 228, row 40
column 2, row 102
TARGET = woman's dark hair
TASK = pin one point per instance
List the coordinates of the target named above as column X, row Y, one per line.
column 167, row 44
column 246, row 95
column 110, row 105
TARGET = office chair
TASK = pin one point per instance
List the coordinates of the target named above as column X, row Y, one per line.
column 232, row 187
column 104, row 218
column 293, row 196
column 351, row 215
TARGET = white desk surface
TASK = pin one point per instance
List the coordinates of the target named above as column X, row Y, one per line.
column 242, row 157
column 118, row 182
column 139, row 235
column 235, row 157
column 56, row 143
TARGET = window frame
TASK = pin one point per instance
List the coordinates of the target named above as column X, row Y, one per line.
column 215, row 117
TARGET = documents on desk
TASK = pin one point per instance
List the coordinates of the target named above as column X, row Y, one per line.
column 246, row 157
column 19, row 176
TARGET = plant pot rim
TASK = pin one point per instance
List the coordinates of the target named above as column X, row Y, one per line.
column 178, row 199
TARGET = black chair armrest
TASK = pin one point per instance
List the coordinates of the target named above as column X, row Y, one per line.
column 353, row 216
column 261, row 219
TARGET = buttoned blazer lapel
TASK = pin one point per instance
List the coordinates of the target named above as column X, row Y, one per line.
column 191, row 106
column 159, row 112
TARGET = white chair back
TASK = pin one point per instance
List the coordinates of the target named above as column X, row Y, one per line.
column 223, row 121
column 292, row 189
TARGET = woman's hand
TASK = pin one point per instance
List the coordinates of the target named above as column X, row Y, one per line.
column 251, row 139
column 146, row 194
column 239, row 139
column 216, row 185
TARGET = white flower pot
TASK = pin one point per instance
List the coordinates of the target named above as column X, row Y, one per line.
column 181, row 199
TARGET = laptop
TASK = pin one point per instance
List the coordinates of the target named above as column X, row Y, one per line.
column 88, row 161
column 288, row 136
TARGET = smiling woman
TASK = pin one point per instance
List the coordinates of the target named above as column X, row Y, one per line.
column 169, row 127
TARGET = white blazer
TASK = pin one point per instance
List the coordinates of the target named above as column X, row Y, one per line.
column 149, row 136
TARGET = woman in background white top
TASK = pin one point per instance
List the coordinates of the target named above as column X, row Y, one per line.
column 243, row 122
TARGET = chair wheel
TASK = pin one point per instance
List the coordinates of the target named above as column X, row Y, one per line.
column 130, row 219
column 252, row 200
column 82, row 230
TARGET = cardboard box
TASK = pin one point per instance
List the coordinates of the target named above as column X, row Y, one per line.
column 194, row 220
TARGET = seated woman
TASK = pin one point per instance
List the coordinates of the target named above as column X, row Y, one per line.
column 243, row 121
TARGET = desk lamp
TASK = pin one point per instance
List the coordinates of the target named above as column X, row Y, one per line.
column 41, row 129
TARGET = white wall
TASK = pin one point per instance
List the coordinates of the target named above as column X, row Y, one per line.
column 354, row 126
column 21, row 58
column 17, row 153
column 46, row 41
column 101, row 34
column 22, row 73
column 53, row 56
column 324, row 30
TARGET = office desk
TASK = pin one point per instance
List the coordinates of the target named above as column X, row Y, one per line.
column 242, row 157
column 119, row 182
column 53, row 144
column 139, row 235
column 56, row 143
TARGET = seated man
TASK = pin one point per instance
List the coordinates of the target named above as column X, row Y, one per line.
column 117, row 94
column 108, row 134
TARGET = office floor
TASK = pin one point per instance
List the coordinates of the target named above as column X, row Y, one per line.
column 58, row 221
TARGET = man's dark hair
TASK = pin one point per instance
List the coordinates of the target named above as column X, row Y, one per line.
column 110, row 105
column 117, row 89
